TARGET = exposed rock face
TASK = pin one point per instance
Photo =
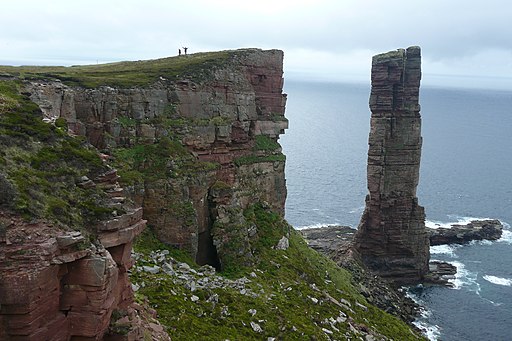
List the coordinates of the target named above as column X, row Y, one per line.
column 392, row 239
column 57, row 286
column 229, row 121
column 490, row 229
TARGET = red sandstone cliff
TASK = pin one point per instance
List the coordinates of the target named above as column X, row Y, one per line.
column 391, row 238
column 206, row 149
column 55, row 285
column 229, row 122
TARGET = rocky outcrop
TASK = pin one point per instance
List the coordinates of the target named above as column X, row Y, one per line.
column 330, row 240
column 228, row 122
column 489, row 229
column 336, row 242
column 392, row 239
column 55, row 284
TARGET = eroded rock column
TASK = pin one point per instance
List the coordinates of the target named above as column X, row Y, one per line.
column 392, row 239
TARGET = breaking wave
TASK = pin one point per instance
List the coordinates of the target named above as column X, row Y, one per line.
column 498, row 280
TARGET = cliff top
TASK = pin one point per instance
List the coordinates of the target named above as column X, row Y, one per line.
column 139, row 73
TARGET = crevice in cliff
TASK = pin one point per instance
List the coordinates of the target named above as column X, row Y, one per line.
column 206, row 250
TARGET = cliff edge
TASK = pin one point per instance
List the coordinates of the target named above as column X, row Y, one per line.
column 188, row 145
column 195, row 145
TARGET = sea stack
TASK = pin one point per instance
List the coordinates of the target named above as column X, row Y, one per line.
column 392, row 239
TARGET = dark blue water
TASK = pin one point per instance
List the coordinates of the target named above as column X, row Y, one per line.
column 465, row 173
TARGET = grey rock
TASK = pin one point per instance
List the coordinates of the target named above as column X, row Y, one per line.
column 327, row 331
column 256, row 327
column 359, row 305
column 151, row 269
column 283, row 244
column 168, row 269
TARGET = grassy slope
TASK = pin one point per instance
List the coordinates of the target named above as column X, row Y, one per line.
column 40, row 165
column 285, row 283
column 126, row 74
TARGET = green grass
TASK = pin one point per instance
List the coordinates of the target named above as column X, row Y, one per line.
column 41, row 165
column 251, row 159
column 165, row 159
column 266, row 143
column 284, row 283
column 197, row 67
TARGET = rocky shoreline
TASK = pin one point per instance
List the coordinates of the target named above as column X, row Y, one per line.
column 488, row 229
column 336, row 243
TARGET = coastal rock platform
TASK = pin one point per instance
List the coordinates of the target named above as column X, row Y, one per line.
column 336, row 243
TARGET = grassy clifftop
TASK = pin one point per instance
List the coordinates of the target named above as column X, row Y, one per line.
column 126, row 74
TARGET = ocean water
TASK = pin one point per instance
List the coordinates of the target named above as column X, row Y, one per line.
column 466, row 173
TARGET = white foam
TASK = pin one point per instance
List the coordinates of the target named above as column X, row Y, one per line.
column 463, row 220
column 480, row 242
column 444, row 250
column 498, row 280
column 432, row 332
column 506, row 236
column 456, row 220
column 465, row 278
column 314, row 226
column 432, row 224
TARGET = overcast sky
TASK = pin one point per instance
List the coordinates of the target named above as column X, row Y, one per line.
column 464, row 42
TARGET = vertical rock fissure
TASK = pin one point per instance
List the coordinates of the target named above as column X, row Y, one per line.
column 206, row 249
column 392, row 239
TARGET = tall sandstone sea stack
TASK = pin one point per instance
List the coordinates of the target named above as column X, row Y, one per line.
column 392, row 239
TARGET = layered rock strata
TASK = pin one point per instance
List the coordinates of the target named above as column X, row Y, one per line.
column 55, row 285
column 392, row 239
column 228, row 120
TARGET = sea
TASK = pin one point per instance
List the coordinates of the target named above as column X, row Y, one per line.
column 465, row 174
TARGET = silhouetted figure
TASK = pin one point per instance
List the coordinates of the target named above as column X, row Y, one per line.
column 185, row 49
column 179, row 52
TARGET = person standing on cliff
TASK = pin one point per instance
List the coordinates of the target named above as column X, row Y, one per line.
column 185, row 49
column 179, row 52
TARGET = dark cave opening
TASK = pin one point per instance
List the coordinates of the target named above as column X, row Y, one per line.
column 206, row 250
